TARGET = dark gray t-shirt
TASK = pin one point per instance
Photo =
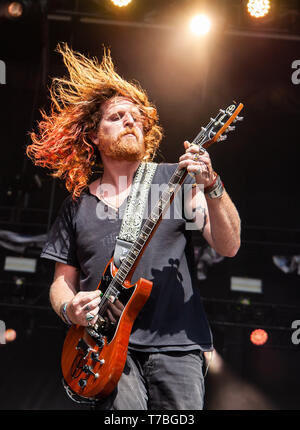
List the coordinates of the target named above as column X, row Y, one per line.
column 173, row 317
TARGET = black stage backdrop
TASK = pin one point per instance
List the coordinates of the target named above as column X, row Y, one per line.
column 189, row 80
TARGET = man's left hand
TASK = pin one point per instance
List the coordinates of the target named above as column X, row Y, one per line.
column 197, row 162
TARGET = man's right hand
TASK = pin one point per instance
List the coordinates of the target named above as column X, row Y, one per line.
column 83, row 307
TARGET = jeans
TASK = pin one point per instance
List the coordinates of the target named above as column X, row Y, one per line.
column 159, row 381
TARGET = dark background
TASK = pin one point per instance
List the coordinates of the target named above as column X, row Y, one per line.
column 189, row 79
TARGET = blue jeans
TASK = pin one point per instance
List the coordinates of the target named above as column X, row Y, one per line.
column 159, row 381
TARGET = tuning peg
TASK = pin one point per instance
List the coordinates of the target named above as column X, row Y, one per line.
column 238, row 118
column 221, row 110
column 231, row 128
column 222, row 138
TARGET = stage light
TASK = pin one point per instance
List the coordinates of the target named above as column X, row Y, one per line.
column 11, row 9
column 200, row 25
column 15, row 9
column 259, row 337
column 121, row 3
column 258, row 8
column 10, row 335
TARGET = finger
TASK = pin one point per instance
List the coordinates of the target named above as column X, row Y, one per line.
column 92, row 304
column 193, row 148
column 188, row 162
column 111, row 317
column 186, row 156
column 198, row 168
column 196, row 149
column 90, row 323
column 195, row 169
column 91, row 317
column 117, row 312
column 186, row 144
column 119, row 305
column 84, row 297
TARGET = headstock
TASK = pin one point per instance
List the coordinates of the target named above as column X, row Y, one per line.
column 213, row 131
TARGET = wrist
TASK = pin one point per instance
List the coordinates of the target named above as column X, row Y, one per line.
column 64, row 315
column 212, row 184
column 215, row 189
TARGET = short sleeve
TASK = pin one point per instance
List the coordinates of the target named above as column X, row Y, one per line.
column 61, row 240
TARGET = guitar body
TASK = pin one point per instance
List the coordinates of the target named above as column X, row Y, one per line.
column 92, row 366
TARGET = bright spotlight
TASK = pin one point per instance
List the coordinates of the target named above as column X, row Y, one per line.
column 15, row 9
column 259, row 336
column 121, row 3
column 200, row 25
column 258, row 8
column 11, row 9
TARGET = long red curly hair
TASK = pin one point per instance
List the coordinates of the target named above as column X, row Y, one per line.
column 62, row 142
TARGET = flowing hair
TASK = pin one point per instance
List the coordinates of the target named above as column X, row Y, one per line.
column 63, row 142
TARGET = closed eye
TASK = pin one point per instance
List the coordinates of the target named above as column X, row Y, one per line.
column 116, row 116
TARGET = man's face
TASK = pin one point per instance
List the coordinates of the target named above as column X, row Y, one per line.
column 120, row 133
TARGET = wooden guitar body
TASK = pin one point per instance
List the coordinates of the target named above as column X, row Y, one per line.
column 92, row 365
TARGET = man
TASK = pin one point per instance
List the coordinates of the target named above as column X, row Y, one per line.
column 97, row 113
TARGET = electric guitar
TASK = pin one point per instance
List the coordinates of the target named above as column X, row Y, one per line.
column 93, row 358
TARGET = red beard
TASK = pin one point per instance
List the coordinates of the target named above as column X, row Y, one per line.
column 126, row 147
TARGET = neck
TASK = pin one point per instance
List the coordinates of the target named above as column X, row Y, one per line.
column 115, row 169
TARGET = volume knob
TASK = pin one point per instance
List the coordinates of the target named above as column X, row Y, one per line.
column 95, row 357
column 88, row 370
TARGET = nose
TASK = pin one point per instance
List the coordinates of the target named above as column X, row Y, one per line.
column 128, row 119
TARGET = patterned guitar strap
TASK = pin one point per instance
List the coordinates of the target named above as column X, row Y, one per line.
column 134, row 212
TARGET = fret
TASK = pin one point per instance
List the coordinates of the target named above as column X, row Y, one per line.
column 131, row 260
column 165, row 199
column 143, row 236
column 140, row 241
column 124, row 263
column 134, row 252
column 146, row 226
column 112, row 291
column 137, row 246
column 121, row 273
column 150, row 221
column 156, row 214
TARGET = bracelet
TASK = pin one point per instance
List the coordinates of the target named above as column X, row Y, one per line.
column 64, row 315
column 216, row 190
column 210, row 187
